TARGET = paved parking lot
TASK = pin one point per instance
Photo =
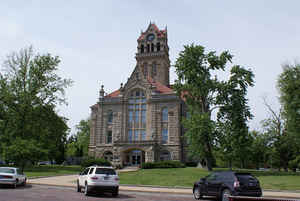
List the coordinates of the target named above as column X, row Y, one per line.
column 53, row 193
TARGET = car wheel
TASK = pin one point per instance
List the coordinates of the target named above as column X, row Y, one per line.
column 225, row 194
column 116, row 192
column 86, row 189
column 197, row 193
column 78, row 187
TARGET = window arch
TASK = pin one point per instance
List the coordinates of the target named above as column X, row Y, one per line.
column 137, row 115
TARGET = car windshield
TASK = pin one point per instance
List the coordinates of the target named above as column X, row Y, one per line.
column 106, row 171
column 7, row 170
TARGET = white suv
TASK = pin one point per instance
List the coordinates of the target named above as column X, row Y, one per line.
column 104, row 179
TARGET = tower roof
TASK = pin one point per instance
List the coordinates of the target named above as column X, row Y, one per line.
column 159, row 33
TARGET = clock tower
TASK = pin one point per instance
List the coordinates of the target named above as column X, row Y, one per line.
column 153, row 54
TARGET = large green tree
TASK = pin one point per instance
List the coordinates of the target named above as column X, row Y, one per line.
column 78, row 144
column 203, row 92
column 233, row 116
column 289, row 88
column 30, row 90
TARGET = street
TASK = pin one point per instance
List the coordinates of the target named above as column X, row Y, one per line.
column 53, row 193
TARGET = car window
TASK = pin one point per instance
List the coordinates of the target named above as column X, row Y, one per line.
column 244, row 177
column 85, row 171
column 7, row 170
column 91, row 171
column 106, row 171
column 211, row 177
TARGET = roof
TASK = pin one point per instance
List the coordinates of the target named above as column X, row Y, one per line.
column 160, row 33
column 160, row 88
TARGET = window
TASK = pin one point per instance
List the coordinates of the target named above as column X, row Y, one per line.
column 110, row 117
column 158, row 46
column 142, row 48
column 165, row 114
column 153, row 72
column 152, row 47
column 106, row 171
column 109, row 137
column 108, row 156
column 137, row 116
column 91, row 171
column 165, row 135
column 129, row 135
column 148, row 47
column 165, row 156
column 145, row 70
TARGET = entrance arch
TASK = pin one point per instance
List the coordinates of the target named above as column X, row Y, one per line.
column 133, row 157
column 108, row 155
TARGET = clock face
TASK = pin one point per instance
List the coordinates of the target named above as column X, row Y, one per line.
column 150, row 37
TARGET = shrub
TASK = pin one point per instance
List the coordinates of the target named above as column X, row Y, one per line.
column 191, row 164
column 163, row 164
column 95, row 161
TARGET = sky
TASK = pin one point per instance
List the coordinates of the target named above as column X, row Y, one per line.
column 97, row 40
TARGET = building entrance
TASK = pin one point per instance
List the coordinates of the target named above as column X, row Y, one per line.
column 134, row 158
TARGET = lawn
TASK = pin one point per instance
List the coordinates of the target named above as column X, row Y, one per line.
column 185, row 177
column 51, row 170
column 175, row 177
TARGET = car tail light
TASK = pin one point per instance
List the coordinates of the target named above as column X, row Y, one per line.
column 94, row 178
column 236, row 184
column 7, row 177
column 117, row 179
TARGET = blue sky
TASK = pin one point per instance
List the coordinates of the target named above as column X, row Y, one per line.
column 96, row 40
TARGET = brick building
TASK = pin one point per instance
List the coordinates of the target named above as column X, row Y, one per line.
column 140, row 122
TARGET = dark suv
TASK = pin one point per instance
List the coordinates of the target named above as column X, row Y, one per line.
column 223, row 184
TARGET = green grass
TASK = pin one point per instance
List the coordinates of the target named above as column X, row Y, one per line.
column 175, row 177
column 185, row 177
column 51, row 170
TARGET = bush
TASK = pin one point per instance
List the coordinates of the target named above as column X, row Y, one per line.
column 94, row 161
column 163, row 164
column 191, row 164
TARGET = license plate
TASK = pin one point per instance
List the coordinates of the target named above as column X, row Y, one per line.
column 106, row 178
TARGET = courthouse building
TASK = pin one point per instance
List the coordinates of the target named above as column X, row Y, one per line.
column 140, row 121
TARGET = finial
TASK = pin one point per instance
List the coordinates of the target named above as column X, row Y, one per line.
column 121, row 85
column 102, row 91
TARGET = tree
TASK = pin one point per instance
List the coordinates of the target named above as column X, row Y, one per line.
column 234, row 114
column 78, row 144
column 203, row 93
column 30, row 89
column 289, row 88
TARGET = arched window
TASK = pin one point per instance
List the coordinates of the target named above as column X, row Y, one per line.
column 109, row 137
column 165, row 114
column 165, row 136
column 158, row 47
column 142, row 48
column 154, row 69
column 110, row 117
column 148, row 47
column 137, row 116
column 152, row 47
column 145, row 69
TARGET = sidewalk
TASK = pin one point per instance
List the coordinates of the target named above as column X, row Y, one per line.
column 70, row 181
